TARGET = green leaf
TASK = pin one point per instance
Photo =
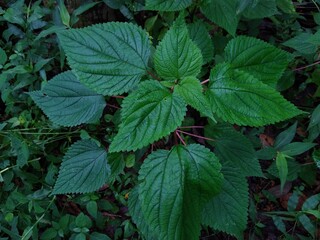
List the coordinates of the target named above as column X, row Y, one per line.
column 84, row 169
column 259, row 9
column 223, row 13
column 135, row 210
column 237, row 97
column 148, row 114
column 117, row 164
column 278, row 222
column 190, row 90
column 311, row 203
column 168, row 5
column 262, row 60
column 64, row 14
column 228, row 211
column 83, row 220
column 297, row 148
column 308, row 225
column 316, row 158
column 201, row 37
column 99, row 236
column 174, row 187
column 49, row 234
column 267, row 153
column 285, row 137
column 20, row 146
column 67, row 102
column 294, row 168
column 110, row 58
column 234, row 149
column 177, row 56
column 286, row 6
column 282, row 167
column 3, row 57
column 92, row 208
column 315, row 117
column 302, row 43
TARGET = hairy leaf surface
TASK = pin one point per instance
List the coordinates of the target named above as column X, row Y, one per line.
column 237, row 97
column 201, row 37
column 223, row 13
column 234, row 149
column 262, row 60
column 168, row 5
column 148, row 114
column 174, row 187
column 190, row 90
column 259, row 9
column 177, row 56
column 68, row 102
column 84, row 169
column 135, row 210
column 110, row 58
column 227, row 211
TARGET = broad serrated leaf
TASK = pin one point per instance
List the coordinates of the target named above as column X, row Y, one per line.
column 262, row 60
column 201, row 37
column 234, row 149
column 228, row 211
column 84, row 169
column 135, row 210
column 302, row 43
column 168, row 5
column 287, row 6
column 222, row 13
column 259, row 9
column 191, row 91
column 117, row 165
column 177, row 56
column 148, row 114
column 174, row 187
column 68, row 102
column 237, row 97
column 110, row 58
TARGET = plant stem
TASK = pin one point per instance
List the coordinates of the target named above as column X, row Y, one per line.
column 118, row 96
column 192, row 127
column 110, row 105
column 8, row 168
column 25, row 236
column 304, row 67
column 183, row 142
column 205, row 81
column 194, row 135
column 152, row 75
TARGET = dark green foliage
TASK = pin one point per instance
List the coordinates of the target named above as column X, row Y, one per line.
column 115, row 131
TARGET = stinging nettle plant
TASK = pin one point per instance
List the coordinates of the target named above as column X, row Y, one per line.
column 187, row 186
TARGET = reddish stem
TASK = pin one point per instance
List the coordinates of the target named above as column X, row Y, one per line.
column 192, row 127
column 110, row 105
column 183, row 142
column 118, row 96
column 152, row 75
column 205, row 81
column 304, row 67
column 194, row 135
